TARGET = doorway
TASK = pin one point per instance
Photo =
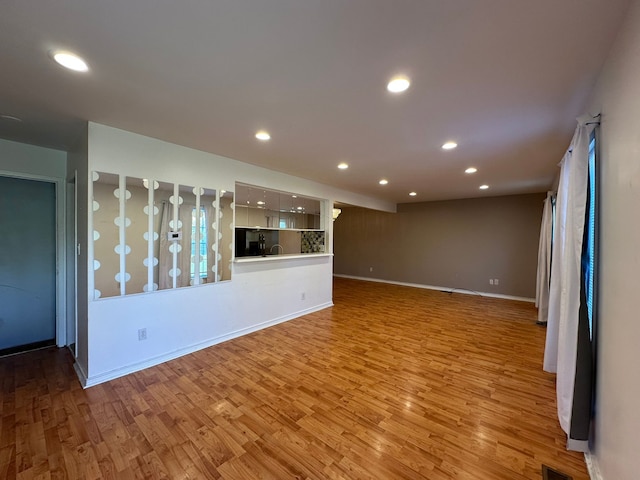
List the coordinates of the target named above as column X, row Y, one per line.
column 27, row 264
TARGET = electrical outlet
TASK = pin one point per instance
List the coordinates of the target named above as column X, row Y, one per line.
column 303, row 296
column 370, row 269
column 142, row 334
column 491, row 281
column 496, row 282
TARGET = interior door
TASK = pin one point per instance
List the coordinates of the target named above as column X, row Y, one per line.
column 27, row 264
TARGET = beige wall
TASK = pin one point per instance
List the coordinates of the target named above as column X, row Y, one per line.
column 617, row 97
column 103, row 247
column 290, row 241
column 134, row 236
column 452, row 244
column 225, row 246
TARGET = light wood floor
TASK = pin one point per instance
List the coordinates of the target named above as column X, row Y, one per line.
column 391, row 383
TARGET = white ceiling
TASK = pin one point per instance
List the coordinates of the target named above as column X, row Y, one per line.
column 503, row 78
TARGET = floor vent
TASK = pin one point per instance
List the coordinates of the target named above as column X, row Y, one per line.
column 549, row 473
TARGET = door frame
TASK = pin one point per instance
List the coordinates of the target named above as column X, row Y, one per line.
column 72, row 251
column 61, row 255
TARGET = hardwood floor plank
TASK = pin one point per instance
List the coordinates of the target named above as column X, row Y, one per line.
column 390, row 383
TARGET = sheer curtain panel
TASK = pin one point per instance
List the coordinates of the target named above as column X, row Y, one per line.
column 564, row 294
column 544, row 260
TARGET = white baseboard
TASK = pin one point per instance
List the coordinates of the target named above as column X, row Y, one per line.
column 120, row 372
column 592, row 466
column 442, row 289
column 80, row 373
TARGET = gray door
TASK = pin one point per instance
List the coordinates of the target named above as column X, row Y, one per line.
column 27, row 264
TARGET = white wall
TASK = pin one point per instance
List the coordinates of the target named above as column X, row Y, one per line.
column 617, row 435
column 31, row 160
column 179, row 321
column 183, row 320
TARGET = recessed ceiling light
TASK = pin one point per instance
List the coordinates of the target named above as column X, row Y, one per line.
column 10, row 117
column 484, row 187
column 412, row 194
column 384, row 181
column 471, row 170
column 260, row 202
column 343, row 166
column 262, row 135
column 70, row 60
column 398, row 84
column 449, row 146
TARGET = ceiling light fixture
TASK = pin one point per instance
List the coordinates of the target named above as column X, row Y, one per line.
column 262, row 135
column 471, row 170
column 398, row 84
column 343, row 166
column 70, row 60
column 384, row 181
column 412, row 194
column 484, row 187
column 260, row 202
column 449, row 146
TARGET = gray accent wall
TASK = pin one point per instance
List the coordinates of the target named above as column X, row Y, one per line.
column 452, row 244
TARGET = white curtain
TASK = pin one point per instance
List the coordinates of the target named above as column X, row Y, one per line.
column 210, row 213
column 165, row 258
column 564, row 296
column 544, row 260
column 185, row 216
